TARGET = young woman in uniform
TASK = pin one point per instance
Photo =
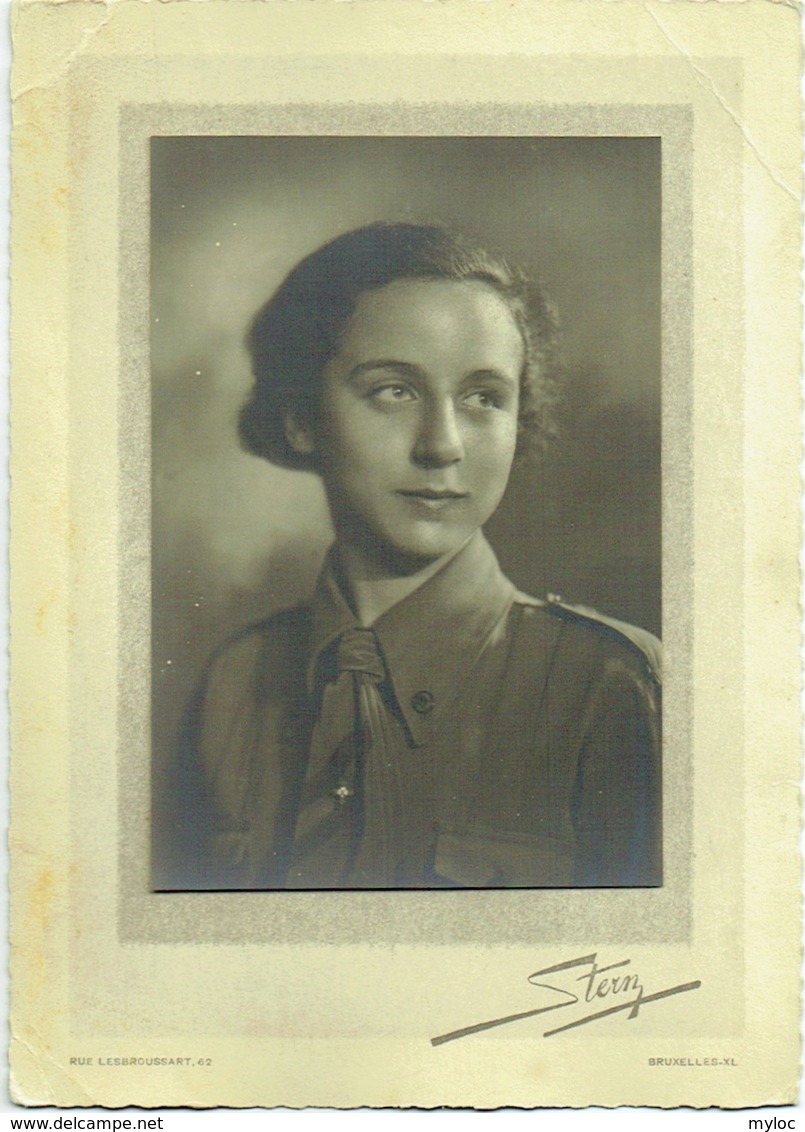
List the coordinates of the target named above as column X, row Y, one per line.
column 420, row 723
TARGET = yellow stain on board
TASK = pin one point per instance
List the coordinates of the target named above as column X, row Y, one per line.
column 43, row 610
column 38, row 917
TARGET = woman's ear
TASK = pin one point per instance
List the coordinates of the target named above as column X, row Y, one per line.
column 298, row 433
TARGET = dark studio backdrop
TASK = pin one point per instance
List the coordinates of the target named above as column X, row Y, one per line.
column 233, row 537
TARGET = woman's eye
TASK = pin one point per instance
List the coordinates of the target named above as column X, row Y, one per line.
column 392, row 394
column 484, row 399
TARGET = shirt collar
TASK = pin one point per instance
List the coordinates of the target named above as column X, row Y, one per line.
column 431, row 638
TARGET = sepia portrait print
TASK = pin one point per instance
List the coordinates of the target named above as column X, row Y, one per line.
column 406, row 512
column 388, row 380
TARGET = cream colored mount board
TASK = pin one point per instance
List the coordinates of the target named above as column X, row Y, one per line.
column 171, row 163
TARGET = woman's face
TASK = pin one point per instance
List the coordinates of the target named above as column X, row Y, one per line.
column 418, row 421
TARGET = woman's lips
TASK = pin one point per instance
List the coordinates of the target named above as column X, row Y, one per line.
column 432, row 499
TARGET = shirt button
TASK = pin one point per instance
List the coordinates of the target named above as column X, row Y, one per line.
column 422, row 702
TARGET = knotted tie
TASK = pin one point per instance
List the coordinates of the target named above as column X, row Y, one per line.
column 349, row 821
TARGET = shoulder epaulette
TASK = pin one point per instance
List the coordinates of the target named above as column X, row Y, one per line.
column 640, row 640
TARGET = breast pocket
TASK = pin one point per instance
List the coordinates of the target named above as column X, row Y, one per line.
column 475, row 857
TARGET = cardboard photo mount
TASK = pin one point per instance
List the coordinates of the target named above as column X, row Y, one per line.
column 121, row 995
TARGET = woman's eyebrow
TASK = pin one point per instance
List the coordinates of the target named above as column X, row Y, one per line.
column 499, row 377
column 404, row 369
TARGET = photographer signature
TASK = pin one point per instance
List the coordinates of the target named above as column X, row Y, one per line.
column 610, row 984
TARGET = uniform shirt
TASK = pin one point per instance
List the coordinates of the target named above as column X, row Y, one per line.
column 517, row 743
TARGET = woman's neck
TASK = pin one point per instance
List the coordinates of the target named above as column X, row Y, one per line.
column 373, row 589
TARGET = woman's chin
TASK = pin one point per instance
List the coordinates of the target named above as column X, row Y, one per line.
column 375, row 558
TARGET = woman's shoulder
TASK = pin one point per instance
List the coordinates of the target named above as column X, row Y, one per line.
column 278, row 640
column 590, row 630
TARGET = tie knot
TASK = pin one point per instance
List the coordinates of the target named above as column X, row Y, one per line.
column 358, row 652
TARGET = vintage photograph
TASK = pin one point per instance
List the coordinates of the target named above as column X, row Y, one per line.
column 388, row 381
column 406, row 512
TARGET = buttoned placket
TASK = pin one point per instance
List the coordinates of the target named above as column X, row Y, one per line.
column 412, row 712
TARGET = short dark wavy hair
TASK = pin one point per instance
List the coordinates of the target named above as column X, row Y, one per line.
column 297, row 331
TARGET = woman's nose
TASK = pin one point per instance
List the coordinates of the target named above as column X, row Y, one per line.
column 438, row 441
